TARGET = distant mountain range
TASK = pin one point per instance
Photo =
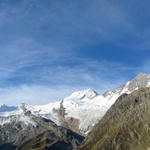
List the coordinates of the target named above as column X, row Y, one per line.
column 5, row 108
column 79, row 112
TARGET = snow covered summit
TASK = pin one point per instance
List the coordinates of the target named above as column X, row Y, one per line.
column 88, row 94
column 81, row 110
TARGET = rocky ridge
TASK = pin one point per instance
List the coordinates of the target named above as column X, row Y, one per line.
column 125, row 126
column 76, row 111
column 18, row 131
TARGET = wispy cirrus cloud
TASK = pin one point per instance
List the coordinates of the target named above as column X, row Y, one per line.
column 50, row 48
column 34, row 95
column 66, row 21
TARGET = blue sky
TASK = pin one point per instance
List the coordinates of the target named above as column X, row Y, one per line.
column 51, row 48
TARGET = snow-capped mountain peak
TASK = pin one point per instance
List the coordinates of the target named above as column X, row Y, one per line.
column 9, row 114
column 141, row 80
column 83, row 108
column 142, row 75
column 88, row 93
column 25, row 107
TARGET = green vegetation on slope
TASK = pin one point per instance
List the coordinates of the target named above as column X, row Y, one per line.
column 126, row 125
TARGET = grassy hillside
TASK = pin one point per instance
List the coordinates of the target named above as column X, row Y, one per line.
column 126, row 125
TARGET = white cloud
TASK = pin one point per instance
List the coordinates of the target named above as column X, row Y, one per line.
column 62, row 81
column 41, row 46
column 33, row 94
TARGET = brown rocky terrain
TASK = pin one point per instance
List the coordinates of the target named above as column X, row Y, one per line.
column 50, row 140
column 125, row 126
column 14, row 134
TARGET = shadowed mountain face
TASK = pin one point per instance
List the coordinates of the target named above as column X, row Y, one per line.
column 45, row 134
column 66, row 140
column 75, row 111
column 7, row 146
column 125, row 126
column 80, row 112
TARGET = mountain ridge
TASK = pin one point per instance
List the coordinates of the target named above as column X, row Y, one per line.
column 125, row 126
column 76, row 111
column 18, row 132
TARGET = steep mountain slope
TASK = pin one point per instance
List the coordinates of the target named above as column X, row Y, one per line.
column 26, row 126
column 82, row 109
column 125, row 126
column 63, row 139
column 142, row 80
column 87, row 107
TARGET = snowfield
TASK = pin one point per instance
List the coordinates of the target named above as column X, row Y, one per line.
column 87, row 106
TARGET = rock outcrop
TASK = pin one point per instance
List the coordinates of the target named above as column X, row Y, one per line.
column 19, row 131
